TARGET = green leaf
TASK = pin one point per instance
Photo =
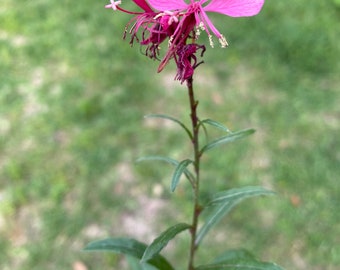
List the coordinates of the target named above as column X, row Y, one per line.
column 161, row 241
column 238, row 260
column 228, row 138
column 129, row 247
column 135, row 264
column 240, row 264
column 168, row 117
column 234, row 254
column 223, row 202
column 118, row 245
column 179, row 170
column 216, row 124
column 236, row 194
column 171, row 161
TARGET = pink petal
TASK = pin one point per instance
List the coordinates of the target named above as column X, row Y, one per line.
column 210, row 25
column 235, row 8
column 171, row 5
column 143, row 4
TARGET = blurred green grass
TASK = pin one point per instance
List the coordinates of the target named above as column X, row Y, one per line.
column 73, row 96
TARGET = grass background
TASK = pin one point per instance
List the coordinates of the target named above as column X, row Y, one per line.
column 72, row 100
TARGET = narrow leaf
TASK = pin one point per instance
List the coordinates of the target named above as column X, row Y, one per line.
column 179, row 170
column 118, row 245
column 241, row 264
column 239, row 193
column 168, row 117
column 222, row 203
column 216, row 124
column 129, row 247
column 171, row 161
column 228, row 138
column 239, row 260
column 135, row 264
column 234, row 254
column 161, row 241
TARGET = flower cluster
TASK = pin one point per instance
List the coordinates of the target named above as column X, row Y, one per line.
column 180, row 23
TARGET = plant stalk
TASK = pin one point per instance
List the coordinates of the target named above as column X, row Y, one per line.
column 195, row 184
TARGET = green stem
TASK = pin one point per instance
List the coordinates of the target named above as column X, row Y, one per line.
column 195, row 184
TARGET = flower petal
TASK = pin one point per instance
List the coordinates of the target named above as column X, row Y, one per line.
column 210, row 25
column 143, row 4
column 235, row 8
column 163, row 5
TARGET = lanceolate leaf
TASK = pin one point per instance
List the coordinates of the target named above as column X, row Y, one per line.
column 135, row 264
column 222, row 203
column 171, row 161
column 228, row 138
column 130, row 247
column 216, row 124
column 118, row 245
column 161, row 241
column 180, row 169
column 241, row 264
column 239, row 193
column 239, row 260
column 234, row 254
column 168, row 117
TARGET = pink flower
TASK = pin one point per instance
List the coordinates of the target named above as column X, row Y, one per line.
column 181, row 23
column 153, row 30
column 232, row 8
column 193, row 17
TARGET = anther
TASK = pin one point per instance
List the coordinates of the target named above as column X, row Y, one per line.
column 211, row 41
column 223, row 41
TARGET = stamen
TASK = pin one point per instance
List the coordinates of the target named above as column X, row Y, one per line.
column 223, row 41
column 198, row 32
column 170, row 41
column 201, row 26
column 173, row 16
column 211, row 41
column 158, row 15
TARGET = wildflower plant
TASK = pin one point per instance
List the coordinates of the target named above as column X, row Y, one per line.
column 169, row 30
